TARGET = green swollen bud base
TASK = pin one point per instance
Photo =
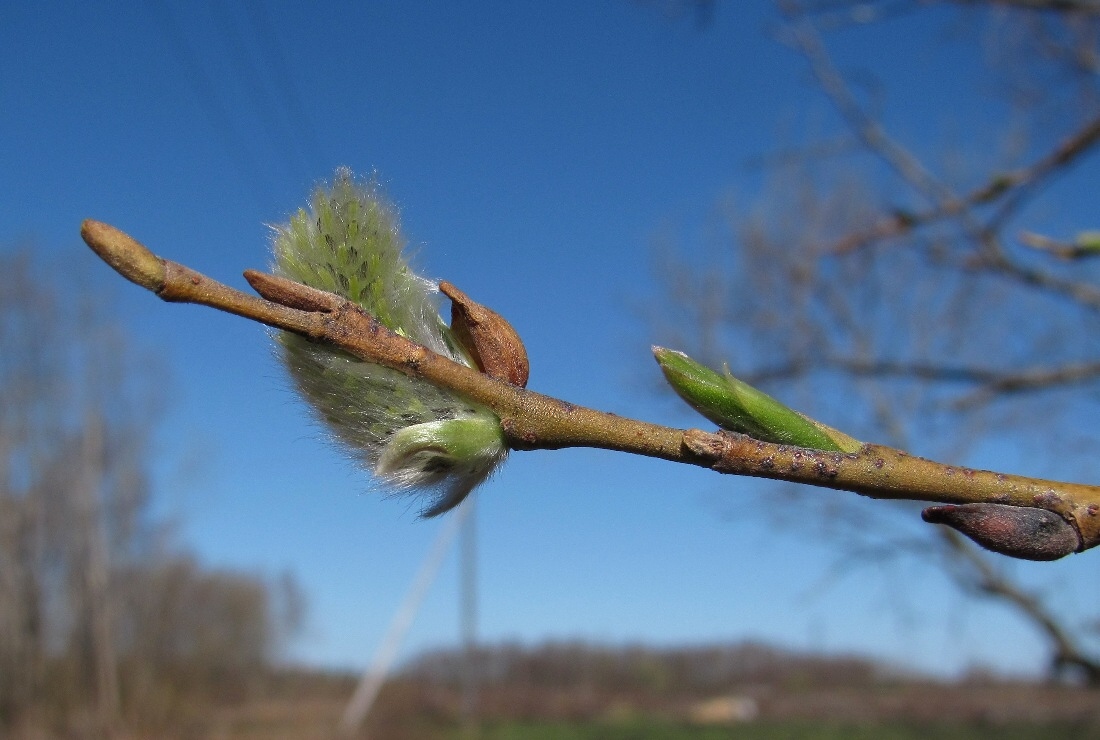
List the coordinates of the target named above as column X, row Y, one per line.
column 452, row 454
column 738, row 407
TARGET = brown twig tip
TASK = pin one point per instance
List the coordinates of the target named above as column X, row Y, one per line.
column 129, row 257
column 291, row 294
column 1017, row 531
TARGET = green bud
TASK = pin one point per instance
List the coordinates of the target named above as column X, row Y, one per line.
column 452, row 456
column 996, row 187
column 738, row 407
column 1087, row 242
column 905, row 219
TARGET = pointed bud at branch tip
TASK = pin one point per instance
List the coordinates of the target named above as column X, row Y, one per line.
column 489, row 339
column 1017, row 531
column 126, row 255
column 291, row 294
column 738, row 407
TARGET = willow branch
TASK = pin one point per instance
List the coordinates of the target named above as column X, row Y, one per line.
column 1012, row 187
column 943, row 199
column 533, row 421
column 1080, row 7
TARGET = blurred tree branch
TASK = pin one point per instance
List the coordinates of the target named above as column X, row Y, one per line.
column 978, row 574
column 1083, row 7
column 930, row 298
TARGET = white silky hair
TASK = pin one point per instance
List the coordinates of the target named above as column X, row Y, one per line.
column 412, row 435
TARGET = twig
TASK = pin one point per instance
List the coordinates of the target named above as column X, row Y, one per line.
column 986, row 381
column 864, row 126
column 870, row 131
column 1021, row 183
column 534, row 421
column 986, row 580
column 1081, row 7
column 1013, row 186
column 1065, row 250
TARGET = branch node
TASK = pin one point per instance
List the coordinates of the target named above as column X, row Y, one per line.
column 704, row 444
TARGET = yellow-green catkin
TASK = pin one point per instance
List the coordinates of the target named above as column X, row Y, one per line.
column 412, row 435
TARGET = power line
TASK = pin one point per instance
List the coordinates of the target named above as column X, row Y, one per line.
column 468, row 615
column 211, row 103
column 253, row 81
column 284, row 80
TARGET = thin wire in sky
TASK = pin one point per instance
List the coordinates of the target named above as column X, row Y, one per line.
column 289, row 94
column 273, row 115
column 211, row 104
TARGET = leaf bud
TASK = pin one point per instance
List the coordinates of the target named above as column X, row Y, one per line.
column 1017, row 531
column 738, row 407
column 488, row 338
column 450, row 456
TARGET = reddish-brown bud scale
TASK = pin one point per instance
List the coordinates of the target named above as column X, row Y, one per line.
column 1018, row 531
column 489, row 339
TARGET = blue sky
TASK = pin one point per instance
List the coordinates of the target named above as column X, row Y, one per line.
column 536, row 150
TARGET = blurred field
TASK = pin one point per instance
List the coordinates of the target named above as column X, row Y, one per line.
column 317, row 720
column 293, row 720
column 577, row 692
column 776, row 731
column 792, row 704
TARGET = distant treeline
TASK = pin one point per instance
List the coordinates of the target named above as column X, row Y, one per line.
column 732, row 683
column 692, row 671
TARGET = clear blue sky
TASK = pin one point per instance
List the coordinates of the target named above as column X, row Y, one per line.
column 535, row 150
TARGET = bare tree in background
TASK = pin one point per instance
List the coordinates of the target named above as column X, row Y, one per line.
column 66, row 485
column 914, row 294
column 102, row 623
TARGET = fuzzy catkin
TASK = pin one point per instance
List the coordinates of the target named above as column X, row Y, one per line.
column 412, row 435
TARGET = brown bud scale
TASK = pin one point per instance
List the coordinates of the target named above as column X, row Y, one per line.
column 489, row 339
column 1018, row 531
